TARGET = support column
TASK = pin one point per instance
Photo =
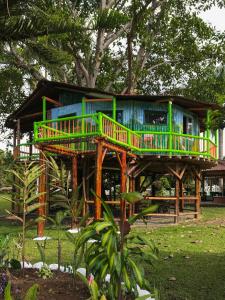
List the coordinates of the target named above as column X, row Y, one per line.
column 42, row 198
column 123, row 182
column 98, row 180
column 131, row 189
column 181, row 186
column 176, row 210
column 198, row 196
column 84, row 184
column 74, row 173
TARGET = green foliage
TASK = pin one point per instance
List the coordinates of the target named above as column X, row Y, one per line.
column 31, row 294
column 62, row 194
column 4, row 249
column 25, row 177
column 113, row 251
column 41, row 249
column 45, row 272
column 84, row 42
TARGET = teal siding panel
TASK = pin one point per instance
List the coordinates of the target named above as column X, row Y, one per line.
column 68, row 98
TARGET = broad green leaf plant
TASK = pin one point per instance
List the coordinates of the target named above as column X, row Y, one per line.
column 117, row 252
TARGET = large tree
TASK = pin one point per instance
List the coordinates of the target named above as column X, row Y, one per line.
column 149, row 46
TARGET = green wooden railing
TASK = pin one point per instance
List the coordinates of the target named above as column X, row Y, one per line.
column 98, row 124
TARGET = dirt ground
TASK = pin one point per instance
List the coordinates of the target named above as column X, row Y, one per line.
column 61, row 286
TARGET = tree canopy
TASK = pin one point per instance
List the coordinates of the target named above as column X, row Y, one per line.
column 144, row 46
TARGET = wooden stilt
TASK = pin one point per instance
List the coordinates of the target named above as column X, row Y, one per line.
column 98, row 180
column 84, row 184
column 131, row 189
column 176, row 210
column 123, row 182
column 181, row 195
column 198, row 195
column 42, row 198
column 74, row 172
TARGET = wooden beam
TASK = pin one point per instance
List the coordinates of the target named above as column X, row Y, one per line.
column 42, row 198
column 119, row 159
column 98, row 181
column 104, row 153
column 173, row 172
column 31, row 115
column 131, row 169
column 176, row 173
column 182, row 172
column 74, row 173
column 57, row 103
column 145, row 166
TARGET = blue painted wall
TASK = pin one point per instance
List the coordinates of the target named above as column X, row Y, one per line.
column 133, row 112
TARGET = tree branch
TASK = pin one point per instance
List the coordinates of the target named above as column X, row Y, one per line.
column 21, row 63
column 110, row 38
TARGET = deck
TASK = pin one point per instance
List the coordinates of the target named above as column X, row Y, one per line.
column 75, row 134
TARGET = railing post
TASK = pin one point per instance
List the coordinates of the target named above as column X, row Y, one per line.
column 83, row 111
column 44, row 107
column 129, row 138
column 35, row 131
column 114, row 108
column 100, row 127
column 208, row 134
column 170, row 127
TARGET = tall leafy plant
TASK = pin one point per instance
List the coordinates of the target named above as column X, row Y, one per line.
column 117, row 252
column 57, row 221
column 26, row 176
column 62, row 194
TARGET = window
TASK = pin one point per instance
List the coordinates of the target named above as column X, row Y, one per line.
column 109, row 113
column 155, row 117
column 187, row 125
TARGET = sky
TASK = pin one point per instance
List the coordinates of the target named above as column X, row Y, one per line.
column 214, row 16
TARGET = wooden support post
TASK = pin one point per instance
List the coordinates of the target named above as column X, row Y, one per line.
column 176, row 210
column 74, row 173
column 123, row 183
column 131, row 189
column 98, row 180
column 42, row 198
column 84, row 184
column 182, row 195
column 198, row 195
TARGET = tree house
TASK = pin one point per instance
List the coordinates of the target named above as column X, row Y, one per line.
column 129, row 139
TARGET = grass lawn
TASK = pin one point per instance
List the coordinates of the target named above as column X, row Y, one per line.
column 191, row 264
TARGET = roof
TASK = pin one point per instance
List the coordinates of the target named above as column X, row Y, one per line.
column 52, row 89
column 218, row 170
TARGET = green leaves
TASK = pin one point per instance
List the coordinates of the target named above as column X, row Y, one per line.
column 144, row 212
column 114, row 253
column 132, row 197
